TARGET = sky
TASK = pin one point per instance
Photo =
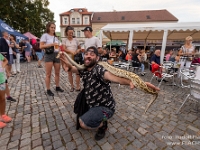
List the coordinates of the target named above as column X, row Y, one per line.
column 184, row 10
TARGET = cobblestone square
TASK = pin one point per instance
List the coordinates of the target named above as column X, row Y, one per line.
column 41, row 122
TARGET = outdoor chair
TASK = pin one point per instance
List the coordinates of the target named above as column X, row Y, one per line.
column 185, row 74
column 164, row 72
column 135, row 67
column 194, row 93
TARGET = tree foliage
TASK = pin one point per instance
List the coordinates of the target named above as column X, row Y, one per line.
column 26, row 15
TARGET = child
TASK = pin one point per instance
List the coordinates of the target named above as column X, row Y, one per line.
column 3, row 118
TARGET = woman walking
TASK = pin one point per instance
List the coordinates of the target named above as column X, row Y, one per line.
column 49, row 42
column 72, row 47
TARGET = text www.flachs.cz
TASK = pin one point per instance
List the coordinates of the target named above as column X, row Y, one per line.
column 184, row 143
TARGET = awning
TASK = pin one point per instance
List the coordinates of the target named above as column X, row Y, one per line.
column 152, row 31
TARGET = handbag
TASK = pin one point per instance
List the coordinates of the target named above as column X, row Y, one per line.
column 78, row 57
column 50, row 50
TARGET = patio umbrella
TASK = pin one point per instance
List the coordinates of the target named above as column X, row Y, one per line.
column 30, row 35
column 7, row 28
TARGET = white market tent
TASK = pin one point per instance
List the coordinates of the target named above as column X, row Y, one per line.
column 152, row 31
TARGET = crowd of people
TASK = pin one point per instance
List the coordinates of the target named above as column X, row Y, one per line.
column 184, row 57
column 96, row 89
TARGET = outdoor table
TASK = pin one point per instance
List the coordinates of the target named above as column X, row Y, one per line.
column 122, row 64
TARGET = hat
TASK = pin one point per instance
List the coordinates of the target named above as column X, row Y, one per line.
column 94, row 49
column 87, row 29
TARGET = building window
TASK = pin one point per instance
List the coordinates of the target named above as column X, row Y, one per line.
column 73, row 20
column 99, row 18
column 78, row 34
column 65, row 21
column 77, row 20
column 123, row 18
column 148, row 17
column 86, row 21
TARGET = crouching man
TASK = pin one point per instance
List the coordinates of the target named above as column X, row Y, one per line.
column 97, row 91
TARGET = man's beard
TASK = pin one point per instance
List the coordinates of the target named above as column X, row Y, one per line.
column 91, row 63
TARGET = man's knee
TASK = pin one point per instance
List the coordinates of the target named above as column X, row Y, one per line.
column 82, row 124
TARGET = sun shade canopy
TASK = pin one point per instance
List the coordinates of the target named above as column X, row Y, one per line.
column 152, row 31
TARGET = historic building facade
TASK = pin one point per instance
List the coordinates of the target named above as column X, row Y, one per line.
column 77, row 18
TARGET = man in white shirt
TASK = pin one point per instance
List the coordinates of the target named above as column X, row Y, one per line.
column 92, row 40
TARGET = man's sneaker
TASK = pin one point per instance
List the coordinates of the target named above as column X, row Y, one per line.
column 101, row 131
column 50, row 93
column 11, row 99
column 5, row 118
column 2, row 125
column 58, row 89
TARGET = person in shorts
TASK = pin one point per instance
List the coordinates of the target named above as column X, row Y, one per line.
column 27, row 50
column 47, row 40
column 39, row 53
column 72, row 47
column 3, row 117
column 97, row 91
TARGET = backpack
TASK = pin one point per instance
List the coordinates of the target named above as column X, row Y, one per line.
column 36, row 47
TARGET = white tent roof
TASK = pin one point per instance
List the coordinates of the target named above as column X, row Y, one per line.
column 153, row 31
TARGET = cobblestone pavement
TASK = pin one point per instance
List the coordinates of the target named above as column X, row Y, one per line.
column 43, row 122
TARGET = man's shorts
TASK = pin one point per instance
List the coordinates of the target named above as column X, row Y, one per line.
column 51, row 58
column 40, row 55
column 95, row 115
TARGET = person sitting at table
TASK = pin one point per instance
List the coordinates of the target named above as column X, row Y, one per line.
column 129, row 55
column 121, row 56
column 137, row 61
column 143, row 58
column 112, row 54
column 155, row 65
column 174, row 57
column 196, row 59
column 167, row 56
column 104, row 55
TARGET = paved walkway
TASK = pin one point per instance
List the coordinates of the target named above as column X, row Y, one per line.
column 42, row 122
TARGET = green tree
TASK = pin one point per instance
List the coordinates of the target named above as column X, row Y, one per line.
column 26, row 15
